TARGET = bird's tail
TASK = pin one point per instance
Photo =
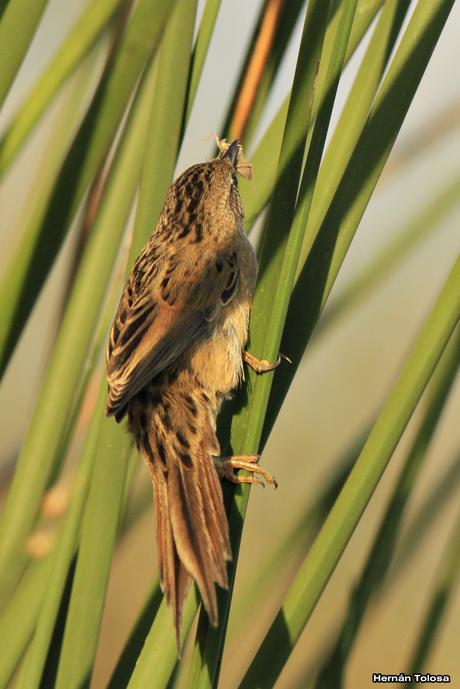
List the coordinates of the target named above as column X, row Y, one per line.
column 176, row 436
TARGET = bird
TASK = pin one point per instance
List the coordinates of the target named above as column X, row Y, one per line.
column 175, row 351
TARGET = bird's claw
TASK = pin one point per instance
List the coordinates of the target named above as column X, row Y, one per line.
column 226, row 467
column 262, row 365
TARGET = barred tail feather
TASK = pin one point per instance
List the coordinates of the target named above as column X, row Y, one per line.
column 174, row 578
column 192, row 529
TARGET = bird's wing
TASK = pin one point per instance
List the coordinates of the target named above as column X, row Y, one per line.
column 173, row 310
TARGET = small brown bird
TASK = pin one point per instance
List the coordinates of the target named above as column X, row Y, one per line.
column 176, row 350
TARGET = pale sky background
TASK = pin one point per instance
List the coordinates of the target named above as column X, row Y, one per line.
column 348, row 373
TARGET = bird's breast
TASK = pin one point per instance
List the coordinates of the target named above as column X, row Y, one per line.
column 218, row 360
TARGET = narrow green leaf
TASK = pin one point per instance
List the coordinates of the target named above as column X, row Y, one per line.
column 358, row 489
column 426, row 517
column 158, row 659
column 167, row 116
column 30, row 592
column 41, row 450
column 137, row 504
column 278, row 261
column 366, row 10
column 3, row 6
column 79, row 646
column 437, row 607
column 265, row 158
column 74, row 49
column 354, row 114
column 406, row 239
column 57, row 138
column 295, row 542
column 200, row 50
column 52, row 659
column 99, row 530
column 225, row 128
column 61, row 559
column 132, row 649
column 289, row 15
column 347, row 208
column 299, row 533
column 18, row 24
column 382, row 549
column 265, row 169
column 276, row 279
column 46, row 229
column 256, row 195
column 19, row 617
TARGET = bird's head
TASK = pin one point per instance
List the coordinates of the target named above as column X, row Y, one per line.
column 207, row 194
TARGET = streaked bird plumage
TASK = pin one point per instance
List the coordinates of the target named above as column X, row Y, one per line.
column 175, row 351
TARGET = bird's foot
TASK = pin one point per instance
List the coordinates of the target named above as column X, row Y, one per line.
column 226, row 467
column 262, row 365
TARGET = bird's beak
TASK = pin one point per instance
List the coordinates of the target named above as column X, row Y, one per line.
column 232, row 152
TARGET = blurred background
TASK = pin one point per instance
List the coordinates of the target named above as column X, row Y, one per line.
column 349, row 368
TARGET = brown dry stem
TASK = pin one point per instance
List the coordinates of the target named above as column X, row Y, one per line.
column 256, row 67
